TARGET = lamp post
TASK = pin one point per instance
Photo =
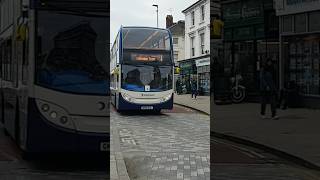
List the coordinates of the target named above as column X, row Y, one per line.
column 155, row 5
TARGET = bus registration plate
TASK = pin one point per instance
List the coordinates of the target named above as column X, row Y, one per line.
column 104, row 146
column 146, row 107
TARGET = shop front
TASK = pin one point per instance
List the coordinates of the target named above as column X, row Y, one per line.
column 188, row 71
column 250, row 37
column 203, row 74
column 300, row 49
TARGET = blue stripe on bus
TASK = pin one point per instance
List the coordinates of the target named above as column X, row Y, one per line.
column 46, row 137
column 125, row 105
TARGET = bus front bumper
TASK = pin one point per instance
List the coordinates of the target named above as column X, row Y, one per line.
column 125, row 105
column 43, row 136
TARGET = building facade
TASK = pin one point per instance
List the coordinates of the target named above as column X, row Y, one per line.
column 197, row 45
column 300, row 48
column 250, row 37
column 177, row 31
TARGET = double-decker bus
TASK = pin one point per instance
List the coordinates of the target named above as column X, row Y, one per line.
column 142, row 69
column 54, row 76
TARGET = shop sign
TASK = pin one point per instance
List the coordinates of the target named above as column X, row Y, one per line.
column 203, row 62
column 294, row 2
column 286, row 7
column 245, row 10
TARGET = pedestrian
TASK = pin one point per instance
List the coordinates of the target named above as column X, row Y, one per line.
column 268, row 89
column 178, row 86
column 193, row 89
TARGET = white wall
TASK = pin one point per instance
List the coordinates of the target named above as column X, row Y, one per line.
column 199, row 26
column 179, row 48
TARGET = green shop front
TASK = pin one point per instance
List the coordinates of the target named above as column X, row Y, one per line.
column 250, row 37
column 188, row 71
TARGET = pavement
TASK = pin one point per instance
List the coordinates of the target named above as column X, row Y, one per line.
column 118, row 169
column 202, row 103
column 296, row 133
column 172, row 145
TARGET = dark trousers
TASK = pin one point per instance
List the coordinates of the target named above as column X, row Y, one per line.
column 194, row 93
column 269, row 98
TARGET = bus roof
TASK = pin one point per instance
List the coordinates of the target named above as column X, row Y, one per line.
column 144, row 27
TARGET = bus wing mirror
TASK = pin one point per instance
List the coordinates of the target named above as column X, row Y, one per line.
column 21, row 33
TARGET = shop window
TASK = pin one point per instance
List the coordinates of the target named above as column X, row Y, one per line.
column 314, row 23
column 300, row 23
column 303, row 65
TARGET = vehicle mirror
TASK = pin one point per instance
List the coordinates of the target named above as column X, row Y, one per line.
column 21, row 33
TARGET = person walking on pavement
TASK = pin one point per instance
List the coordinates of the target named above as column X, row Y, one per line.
column 178, row 86
column 193, row 89
column 268, row 89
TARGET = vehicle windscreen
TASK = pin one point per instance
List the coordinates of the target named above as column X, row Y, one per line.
column 144, row 78
column 71, row 51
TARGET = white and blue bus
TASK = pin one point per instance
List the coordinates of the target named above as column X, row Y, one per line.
column 54, row 76
column 142, row 69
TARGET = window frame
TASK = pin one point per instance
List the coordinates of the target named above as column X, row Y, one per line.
column 192, row 38
column 202, row 42
column 192, row 18
column 202, row 9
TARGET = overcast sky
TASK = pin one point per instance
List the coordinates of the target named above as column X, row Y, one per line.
column 142, row 13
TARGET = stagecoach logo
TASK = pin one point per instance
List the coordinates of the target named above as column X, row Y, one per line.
column 147, row 95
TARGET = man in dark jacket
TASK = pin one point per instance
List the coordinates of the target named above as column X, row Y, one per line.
column 178, row 86
column 194, row 88
column 268, row 89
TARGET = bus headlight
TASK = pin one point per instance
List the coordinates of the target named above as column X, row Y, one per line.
column 45, row 107
column 55, row 114
column 126, row 97
column 166, row 98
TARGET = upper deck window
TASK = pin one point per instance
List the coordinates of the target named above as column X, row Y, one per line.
column 146, row 39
